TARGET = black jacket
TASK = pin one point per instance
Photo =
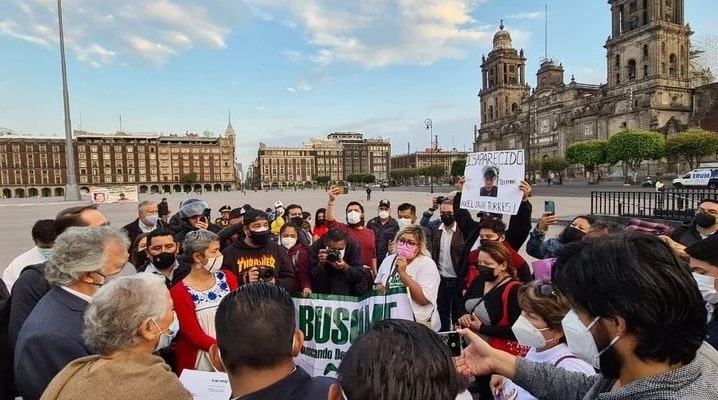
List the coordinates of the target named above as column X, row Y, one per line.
column 27, row 291
column 296, row 386
column 239, row 258
column 383, row 234
column 329, row 280
column 686, row 234
column 133, row 229
column 516, row 234
column 712, row 332
column 163, row 209
column 181, row 228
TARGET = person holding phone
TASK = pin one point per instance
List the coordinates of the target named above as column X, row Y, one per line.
column 540, row 247
column 193, row 215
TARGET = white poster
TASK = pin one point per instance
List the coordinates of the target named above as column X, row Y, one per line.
column 118, row 194
column 331, row 324
column 491, row 181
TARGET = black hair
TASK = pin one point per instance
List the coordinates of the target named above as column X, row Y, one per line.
column 306, row 214
column 288, row 225
column 607, row 226
column 407, row 206
column 255, row 325
column 490, row 173
column 316, row 216
column 44, row 231
column 70, row 217
column 292, row 206
column 705, row 250
column 495, row 224
column 334, row 235
column 562, row 236
column 398, row 359
column 637, row 277
column 158, row 233
column 139, row 258
column 354, row 203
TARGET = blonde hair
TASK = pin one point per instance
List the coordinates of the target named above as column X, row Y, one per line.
column 535, row 298
column 418, row 233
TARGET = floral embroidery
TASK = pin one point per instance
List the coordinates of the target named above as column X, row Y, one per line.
column 212, row 295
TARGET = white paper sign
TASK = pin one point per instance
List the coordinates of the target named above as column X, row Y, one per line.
column 206, row 385
column 492, row 181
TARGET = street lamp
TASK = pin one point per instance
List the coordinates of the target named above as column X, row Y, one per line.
column 430, row 126
column 72, row 191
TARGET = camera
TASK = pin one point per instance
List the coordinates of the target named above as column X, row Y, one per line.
column 266, row 273
column 334, row 256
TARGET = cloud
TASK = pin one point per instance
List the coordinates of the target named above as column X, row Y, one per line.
column 527, row 15
column 12, row 29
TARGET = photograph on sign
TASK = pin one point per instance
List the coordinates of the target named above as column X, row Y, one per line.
column 491, row 181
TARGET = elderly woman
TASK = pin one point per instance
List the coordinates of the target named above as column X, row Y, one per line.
column 196, row 299
column 412, row 267
column 127, row 320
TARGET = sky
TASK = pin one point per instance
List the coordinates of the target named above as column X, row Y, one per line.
column 288, row 70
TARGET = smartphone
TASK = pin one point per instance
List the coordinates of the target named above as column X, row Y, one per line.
column 207, row 213
column 549, row 207
column 452, row 339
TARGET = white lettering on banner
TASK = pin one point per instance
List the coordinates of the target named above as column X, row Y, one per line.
column 491, row 181
column 331, row 324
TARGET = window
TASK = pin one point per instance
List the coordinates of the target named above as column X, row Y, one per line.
column 105, row 149
column 43, row 148
column 631, row 70
column 93, row 149
column 108, row 178
column 673, row 65
column 645, row 71
column 81, row 148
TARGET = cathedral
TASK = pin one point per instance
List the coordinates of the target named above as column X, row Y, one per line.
column 652, row 84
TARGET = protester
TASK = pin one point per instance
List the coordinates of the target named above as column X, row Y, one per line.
column 412, row 268
column 703, row 260
column 161, row 253
column 196, row 299
column 320, row 226
column 397, row 359
column 246, row 257
column 337, row 266
column 636, row 315
column 163, row 210
column 148, row 220
column 540, row 247
column 257, row 341
column 406, row 215
column 128, row 319
column 295, row 215
column 299, row 255
column 539, row 327
column 235, row 230
column 703, row 225
column 138, row 254
column 83, row 260
column 193, row 215
column 43, row 236
column 494, row 230
column 426, row 217
column 385, row 228
column 354, row 228
column 278, row 221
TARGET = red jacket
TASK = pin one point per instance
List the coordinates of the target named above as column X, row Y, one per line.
column 302, row 270
column 191, row 337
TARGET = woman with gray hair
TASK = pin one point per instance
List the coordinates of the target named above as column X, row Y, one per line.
column 129, row 319
column 413, row 268
column 196, row 299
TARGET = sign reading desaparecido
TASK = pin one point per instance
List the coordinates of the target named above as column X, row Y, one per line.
column 491, row 181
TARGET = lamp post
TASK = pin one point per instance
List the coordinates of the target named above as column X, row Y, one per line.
column 430, row 126
column 72, row 191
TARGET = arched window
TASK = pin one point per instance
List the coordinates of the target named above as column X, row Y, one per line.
column 645, row 51
column 672, row 65
column 631, row 69
column 618, row 60
column 514, row 108
column 491, row 113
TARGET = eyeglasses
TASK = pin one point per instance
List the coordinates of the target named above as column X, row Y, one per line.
column 546, row 289
column 409, row 242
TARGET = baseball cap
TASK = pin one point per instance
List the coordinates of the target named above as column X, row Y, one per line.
column 237, row 212
column 254, row 215
column 384, row 203
column 278, row 204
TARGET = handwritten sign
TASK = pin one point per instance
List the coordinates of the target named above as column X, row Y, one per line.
column 492, row 181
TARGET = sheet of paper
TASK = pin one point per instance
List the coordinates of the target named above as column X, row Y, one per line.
column 206, row 385
column 492, row 181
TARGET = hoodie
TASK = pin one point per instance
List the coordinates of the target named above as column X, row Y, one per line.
column 240, row 258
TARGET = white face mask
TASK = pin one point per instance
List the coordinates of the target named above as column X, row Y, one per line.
column 527, row 334
column 152, row 219
column 383, row 214
column 580, row 339
column 353, row 217
column 706, row 284
column 214, row 263
column 403, row 223
column 288, row 242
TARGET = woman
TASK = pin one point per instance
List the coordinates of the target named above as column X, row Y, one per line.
column 539, row 327
column 540, row 247
column 412, row 267
column 298, row 253
column 128, row 319
column 196, row 299
column 320, row 226
column 138, row 256
column 492, row 304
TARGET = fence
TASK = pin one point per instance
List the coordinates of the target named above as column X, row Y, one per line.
column 675, row 204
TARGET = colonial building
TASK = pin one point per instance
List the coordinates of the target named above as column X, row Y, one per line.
column 35, row 166
column 651, row 85
column 427, row 157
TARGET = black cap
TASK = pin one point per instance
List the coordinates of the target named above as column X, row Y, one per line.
column 384, row 203
column 705, row 250
column 254, row 215
column 236, row 213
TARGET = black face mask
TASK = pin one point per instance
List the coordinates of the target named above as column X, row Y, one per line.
column 164, row 260
column 140, row 259
column 486, row 273
column 447, row 219
column 572, row 234
column 319, row 221
column 298, row 221
column 704, row 220
column 259, row 238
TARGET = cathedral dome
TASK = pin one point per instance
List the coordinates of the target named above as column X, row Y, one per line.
column 502, row 38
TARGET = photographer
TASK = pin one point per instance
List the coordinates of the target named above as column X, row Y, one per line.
column 337, row 265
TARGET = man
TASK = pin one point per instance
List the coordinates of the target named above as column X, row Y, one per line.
column 704, row 224
column 193, row 215
column 223, row 219
column 257, row 340
column 43, row 235
column 148, row 219
column 84, row 259
column 489, row 189
column 235, row 230
column 295, row 215
column 368, row 193
column 426, row 217
column 407, row 215
column 255, row 251
column 163, row 210
column 448, row 242
column 385, row 228
column 703, row 260
column 610, row 284
column 494, row 230
column 336, row 263
column 278, row 221
column 162, row 255
column 354, row 227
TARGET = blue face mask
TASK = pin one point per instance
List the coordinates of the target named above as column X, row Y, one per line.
column 45, row 253
column 167, row 335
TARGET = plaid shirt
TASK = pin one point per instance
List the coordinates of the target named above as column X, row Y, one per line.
column 653, row 228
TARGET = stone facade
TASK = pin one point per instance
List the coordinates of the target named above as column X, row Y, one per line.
column 427, row 157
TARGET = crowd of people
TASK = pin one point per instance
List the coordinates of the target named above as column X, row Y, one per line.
column 98, row 312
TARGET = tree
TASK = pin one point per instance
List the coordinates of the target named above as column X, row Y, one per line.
column 534, row 166
column 433, row 170
column 458, row 167
column 553, row 164
column 632, row 147
column 323, row 180
column 189, row 178
column 590, row 154
column 692, row 146
column 369, row 178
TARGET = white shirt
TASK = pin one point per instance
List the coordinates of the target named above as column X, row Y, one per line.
column 145, row 228
column 424, row 272
column 446, row 266
column 153, row 270
column 551, row 356
column 12, row 272
column 78, row 294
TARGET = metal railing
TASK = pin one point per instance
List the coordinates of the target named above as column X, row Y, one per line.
column 674, row 204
